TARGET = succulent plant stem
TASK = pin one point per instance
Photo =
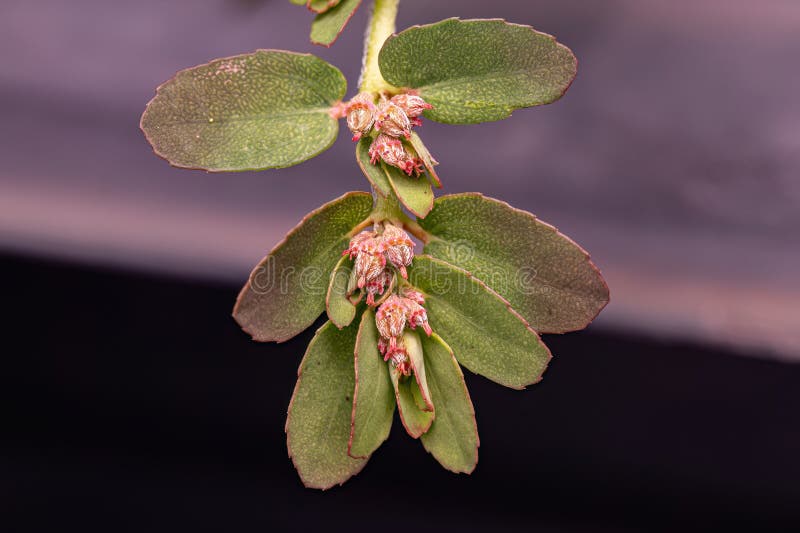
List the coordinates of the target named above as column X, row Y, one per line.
column 380, row 27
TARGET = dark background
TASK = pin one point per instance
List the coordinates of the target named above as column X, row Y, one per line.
column 132, row 402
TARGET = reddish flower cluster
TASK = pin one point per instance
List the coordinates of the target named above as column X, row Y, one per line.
column 393, row 316
column 372, row 252
column 392, row 118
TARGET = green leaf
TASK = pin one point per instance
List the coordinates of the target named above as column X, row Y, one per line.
column 453, row 436
column 414, row 192
column 415, row 420
column 318, row 423
column 545, row 276
column 321, row 6
column 373, row 400
column 477, row 70
column 374, row 173
column 299, row 2
column 428, row 161
column 286, row 290
column 417, row 360
column 487, row 336
column 268, row 109
column 341, row 310
column 327, row 26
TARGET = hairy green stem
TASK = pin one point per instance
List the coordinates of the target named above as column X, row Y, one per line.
column 381, row 26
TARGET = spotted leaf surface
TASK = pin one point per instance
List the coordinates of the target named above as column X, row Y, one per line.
column 477, row 70
column 268, row 109
column 486, row 335
column 287, row 289
column 318, row 423
column 544, row 275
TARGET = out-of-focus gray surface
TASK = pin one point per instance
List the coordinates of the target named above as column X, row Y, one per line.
column 674, row 158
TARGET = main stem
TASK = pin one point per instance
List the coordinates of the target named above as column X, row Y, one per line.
column 381, row 26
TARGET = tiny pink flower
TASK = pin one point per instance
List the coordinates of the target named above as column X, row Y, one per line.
column 417, row 316
column 388, row 149
column 399, row 359
column 412, row 104
column 378, row 285
column 413, row 295
column 368, row 266
column 391, row 319
column 361, row 115
column 358, row 242
column 399, row 248
column 392, row 120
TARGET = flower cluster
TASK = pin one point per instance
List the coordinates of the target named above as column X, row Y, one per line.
column 393, row 316
column 392, row 118
column 375, row 254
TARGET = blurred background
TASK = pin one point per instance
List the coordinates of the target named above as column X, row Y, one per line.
column 134, row 403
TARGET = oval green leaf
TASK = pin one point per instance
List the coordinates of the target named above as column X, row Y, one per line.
column 453, row 437
column 487, row 336
column 375, row 174
column 341, row 310
column 286, row 290
column 328, row 25
column 545, row 276
column 268, row 109
column 318, row 422
column 478, row 70
column 373, row 399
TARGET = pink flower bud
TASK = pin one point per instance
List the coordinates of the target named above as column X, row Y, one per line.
column 412, row 104
column 388, row 149
column 392, row 120
column 368, row 266
column 378, row 286
column 391, row 319
column 416, row 316
column 399, row 359
column 414, row 296
column 357, row 243
column 361, row 115
column 399, row 247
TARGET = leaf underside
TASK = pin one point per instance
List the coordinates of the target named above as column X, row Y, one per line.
column 545, row 276
column 475, row 71
column 415, row 420
column 318, row 422
column 268, row 109
column 486, row 335
column 286, row 290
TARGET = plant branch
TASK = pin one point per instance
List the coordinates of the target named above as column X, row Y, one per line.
column 381, row 26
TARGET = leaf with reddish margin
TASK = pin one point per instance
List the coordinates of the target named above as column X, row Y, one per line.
column 427, row 159
column 286, row 290
column 487, row 336
column 453, row 436
column 341, row 310
column 327, row 26
column 318, row 421
column 544, row 275
column 475, row 71
column 373, row 399
column 268, row 109
column 375, row 174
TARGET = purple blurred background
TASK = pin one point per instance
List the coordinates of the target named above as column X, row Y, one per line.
column 673, row 159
